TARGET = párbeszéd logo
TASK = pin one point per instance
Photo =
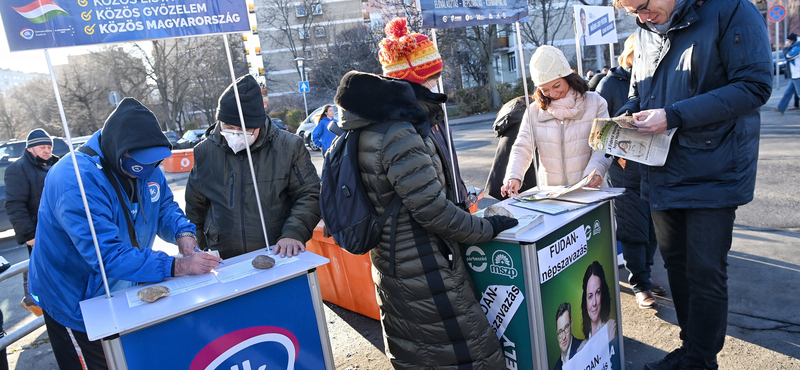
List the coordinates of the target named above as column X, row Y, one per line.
column 476, row 258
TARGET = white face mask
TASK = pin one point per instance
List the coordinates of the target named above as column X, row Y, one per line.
column 238, row 140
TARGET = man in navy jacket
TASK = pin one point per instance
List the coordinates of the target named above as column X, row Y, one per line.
column 703, row 67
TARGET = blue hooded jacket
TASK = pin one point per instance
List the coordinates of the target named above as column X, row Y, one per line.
column 321, row 136
column 63, row 267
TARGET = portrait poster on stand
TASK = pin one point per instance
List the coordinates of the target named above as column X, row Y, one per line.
column 578, row 293
column 595, row 25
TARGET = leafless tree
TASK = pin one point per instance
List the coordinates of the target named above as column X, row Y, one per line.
column 7, row 121
column 287, row 20
column 83, row 95
column 212, row 74
column 359, row 52
column 124, row 72
column 34, row 106
column 475, row 44
column 167, row 69
column 547, row 20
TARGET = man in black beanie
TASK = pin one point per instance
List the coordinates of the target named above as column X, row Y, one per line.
column 220, row 199
column 24, row 182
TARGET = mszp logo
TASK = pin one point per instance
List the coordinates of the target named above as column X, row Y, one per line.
column 502, row 264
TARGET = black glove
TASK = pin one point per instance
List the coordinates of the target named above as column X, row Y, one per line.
column 500, row 223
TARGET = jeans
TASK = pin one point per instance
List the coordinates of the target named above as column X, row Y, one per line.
column 694, row 244
column 791, row 90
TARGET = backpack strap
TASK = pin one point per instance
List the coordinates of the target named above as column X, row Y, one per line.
column 393, row 210
column 115, row 183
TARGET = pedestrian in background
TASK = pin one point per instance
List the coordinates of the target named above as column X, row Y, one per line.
column 506, row 127
column 562, row 118
column 704, row 68
column 635, row 230
column 790, row 52
column 321, row 135
column 430, row 314
column 24, row 183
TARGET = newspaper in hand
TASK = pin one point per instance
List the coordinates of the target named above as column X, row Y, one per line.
column 619, row 137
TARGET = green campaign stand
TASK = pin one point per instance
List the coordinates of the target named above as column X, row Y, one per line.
column 522, row 282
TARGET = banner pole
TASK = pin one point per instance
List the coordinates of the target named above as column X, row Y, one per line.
column 440, row 84
column 77, row 173
column 244, row 129
column 527, row 101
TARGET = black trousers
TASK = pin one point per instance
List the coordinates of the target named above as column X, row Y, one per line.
column 73, row 349
column 694, row 244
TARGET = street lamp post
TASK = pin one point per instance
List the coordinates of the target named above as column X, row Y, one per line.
column 302, row 78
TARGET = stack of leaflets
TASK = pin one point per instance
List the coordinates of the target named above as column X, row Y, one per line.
column 562, row 199
column 526, row 221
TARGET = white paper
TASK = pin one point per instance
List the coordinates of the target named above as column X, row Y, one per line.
column 500, row 303
column 245, row 268
column 593, row 355
column 565, row 251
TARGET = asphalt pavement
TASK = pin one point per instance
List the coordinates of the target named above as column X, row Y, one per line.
column 764, row 276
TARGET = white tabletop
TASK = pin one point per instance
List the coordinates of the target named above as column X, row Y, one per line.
column 550, row 224
column 105, row 317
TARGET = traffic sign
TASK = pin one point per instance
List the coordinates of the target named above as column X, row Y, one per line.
column 303, row 85
column 776, row 13
column 114, row 98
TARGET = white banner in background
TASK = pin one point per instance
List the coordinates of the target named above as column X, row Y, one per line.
column 596, row 25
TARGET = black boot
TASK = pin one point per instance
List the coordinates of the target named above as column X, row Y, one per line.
column 669, row 362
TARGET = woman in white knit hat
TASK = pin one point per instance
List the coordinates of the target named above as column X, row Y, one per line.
column 562, row 120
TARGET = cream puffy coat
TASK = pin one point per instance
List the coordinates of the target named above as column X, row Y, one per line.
column 564, row 149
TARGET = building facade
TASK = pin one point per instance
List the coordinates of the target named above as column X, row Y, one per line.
column 288, row 30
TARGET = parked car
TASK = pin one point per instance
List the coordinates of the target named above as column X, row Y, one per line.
column 190, row 138
column 11, row 150
column 80, row 140
column 279, row 123
column 5, row 223
column 308, row 124
column 173, row 138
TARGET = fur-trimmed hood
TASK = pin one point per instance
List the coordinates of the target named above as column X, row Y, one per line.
column 365, row 98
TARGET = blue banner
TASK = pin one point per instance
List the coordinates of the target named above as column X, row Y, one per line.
column 40, row 24
column 240, row 333
column 463, row 13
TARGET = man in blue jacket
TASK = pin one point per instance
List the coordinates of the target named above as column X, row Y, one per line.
column 130, row 203
column 703, row 68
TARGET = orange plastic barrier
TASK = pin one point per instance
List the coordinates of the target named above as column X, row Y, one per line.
column 180, row 161
column 347, row 280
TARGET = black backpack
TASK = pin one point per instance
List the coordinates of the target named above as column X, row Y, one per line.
column 346, row 209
